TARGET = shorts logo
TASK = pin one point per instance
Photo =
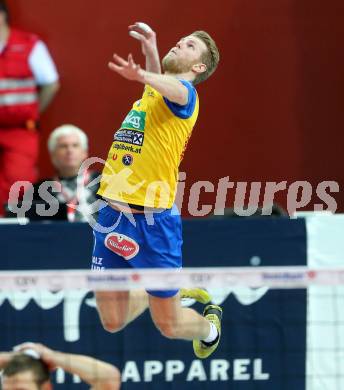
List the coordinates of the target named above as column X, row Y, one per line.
column 127, row 159
column 122, row 245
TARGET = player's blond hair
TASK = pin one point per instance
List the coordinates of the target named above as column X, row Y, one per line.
column 210, row 57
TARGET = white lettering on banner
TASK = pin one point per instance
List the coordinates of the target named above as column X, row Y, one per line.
column 219, row 370
column 60, row 375
column 241, row 367
column 243, row 370
column 131, row 372
column 152, row 367
column 196, row 371
column 240, row 370
column 173, row 367
column 258, row 373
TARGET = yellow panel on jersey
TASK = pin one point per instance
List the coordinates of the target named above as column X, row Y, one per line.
column 142, row 164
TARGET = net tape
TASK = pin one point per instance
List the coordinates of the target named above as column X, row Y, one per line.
column 166, row 279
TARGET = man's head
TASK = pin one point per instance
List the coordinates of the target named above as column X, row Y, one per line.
column 24, row 372
column 4, row 14
column 197, row 53
column 68, row 147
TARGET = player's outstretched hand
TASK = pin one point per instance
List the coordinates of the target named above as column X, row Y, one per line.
column 127, row 69
column 147, row 37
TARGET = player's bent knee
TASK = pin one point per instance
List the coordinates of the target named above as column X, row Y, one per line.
column 112, row 325
column 168, row 329
column 112, row 316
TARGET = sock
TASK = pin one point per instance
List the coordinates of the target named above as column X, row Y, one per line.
column 213, row 335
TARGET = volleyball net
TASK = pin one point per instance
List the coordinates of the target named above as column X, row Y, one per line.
column 166, row 279
column 283, row 327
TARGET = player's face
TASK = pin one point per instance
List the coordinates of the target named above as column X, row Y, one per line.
column 187, row 52
column 21, row 381
column 68, row 152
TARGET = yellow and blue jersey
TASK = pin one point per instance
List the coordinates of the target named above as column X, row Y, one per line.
column 142, row 163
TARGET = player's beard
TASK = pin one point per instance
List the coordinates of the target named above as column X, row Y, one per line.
column 171, row 64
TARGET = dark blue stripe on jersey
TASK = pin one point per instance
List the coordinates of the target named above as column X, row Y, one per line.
column 187, row 110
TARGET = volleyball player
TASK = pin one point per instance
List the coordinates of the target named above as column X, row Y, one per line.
column 139, row 184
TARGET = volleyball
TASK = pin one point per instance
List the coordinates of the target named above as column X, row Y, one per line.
column 142, row 26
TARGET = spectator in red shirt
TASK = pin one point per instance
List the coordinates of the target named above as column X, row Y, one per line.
column 28, row 83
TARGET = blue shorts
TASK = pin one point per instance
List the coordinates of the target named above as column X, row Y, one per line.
column 146, row 245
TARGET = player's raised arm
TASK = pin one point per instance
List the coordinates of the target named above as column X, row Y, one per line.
column 147, row 37
column 169, row 86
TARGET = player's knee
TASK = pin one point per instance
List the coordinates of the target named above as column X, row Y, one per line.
column 168, row 329
column 113, row 325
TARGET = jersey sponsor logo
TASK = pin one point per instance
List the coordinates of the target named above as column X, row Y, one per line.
column 122, row 245
column 127, row 159
column 138, row 138
column 135, row 120
column 129, row 136
column 126, row 148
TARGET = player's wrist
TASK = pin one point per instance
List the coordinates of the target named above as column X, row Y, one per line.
column 151, row 52
column 142, row 76
column 55, row 358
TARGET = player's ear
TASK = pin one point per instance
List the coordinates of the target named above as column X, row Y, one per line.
column 199, row 68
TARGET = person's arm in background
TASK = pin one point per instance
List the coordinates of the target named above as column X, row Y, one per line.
column 98, row 374
column 45, row 73
column 168, row 86
column 46, row 94
column 147, row 37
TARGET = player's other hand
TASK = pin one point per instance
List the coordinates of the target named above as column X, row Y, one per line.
column 127, row 69
column 147, row 37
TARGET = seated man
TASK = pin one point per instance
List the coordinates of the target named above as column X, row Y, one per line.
column 68, row 148
column 28, row 368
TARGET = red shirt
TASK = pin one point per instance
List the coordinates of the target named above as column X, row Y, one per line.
column 18, row 89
